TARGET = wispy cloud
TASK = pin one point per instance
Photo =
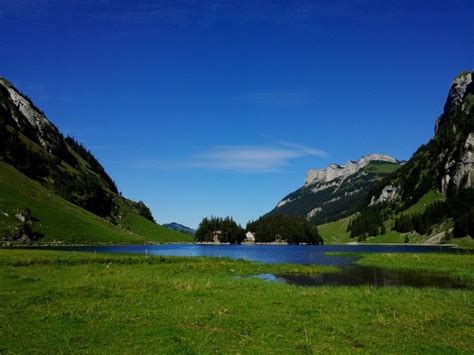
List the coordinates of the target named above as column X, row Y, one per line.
column 240, row 158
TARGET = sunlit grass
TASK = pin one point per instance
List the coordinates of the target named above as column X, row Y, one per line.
column 56, row 302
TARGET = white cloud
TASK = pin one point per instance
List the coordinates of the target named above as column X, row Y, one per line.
column 241, row 158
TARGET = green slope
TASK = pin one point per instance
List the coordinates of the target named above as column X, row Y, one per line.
column 62, row 221
column 426, row 200
column 336, row 232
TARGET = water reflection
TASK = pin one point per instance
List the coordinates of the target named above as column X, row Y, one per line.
column 350, row 274
column 363, row 275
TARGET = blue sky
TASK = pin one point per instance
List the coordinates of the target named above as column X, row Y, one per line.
column 219, row 107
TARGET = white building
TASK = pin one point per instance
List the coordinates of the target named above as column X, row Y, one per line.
column 249, row 237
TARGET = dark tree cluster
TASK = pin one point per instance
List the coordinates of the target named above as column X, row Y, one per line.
column 94, row 164
column 464, row 225
column 225, row 230
column 459, row 206
column 84, row 190
column 368, row 223
column 143, row 210
column 422, row 223
column 290, row 229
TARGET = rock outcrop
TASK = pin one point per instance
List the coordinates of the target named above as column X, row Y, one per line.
column 446, row 163
column 335, row 171
column 29, row 120
column 389, row 193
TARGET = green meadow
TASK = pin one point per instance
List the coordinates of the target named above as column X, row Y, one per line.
column 66, row 302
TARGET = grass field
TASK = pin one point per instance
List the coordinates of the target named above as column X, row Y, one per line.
column 426, row 200
column 336, row 232
column 382, row 167
column 61, row 302
column 461, row 266
column 62, row 221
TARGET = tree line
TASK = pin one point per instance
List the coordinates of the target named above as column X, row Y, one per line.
column 224, row 230
column 368, row 223
column 267, row 229
column 458, row 206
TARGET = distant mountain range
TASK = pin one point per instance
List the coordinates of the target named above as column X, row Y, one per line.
column 47, row 175
column 180, row 228
column 338, row 190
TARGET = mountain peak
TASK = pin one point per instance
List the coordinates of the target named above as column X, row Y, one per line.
column 29, row 119
column 335, row 171
column 461, row 87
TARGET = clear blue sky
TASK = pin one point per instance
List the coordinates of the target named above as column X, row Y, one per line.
column 219, row 107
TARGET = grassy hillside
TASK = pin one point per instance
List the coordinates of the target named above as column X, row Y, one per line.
column 382, row 168
column 426, row 200
column 336, row 232
column 62, row 221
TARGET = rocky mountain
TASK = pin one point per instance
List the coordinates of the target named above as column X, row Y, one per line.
column 442, row 168
column 335, row 171
column 180, row 228
column 35, row 147
column 338, row 190
column 446, row 163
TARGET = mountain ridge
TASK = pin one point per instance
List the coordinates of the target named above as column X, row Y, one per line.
column 335, row 192
column 334, row 171
column 32, row 145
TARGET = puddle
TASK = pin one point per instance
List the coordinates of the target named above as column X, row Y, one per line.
column 370, row 276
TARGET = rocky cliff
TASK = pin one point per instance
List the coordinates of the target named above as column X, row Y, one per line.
column 446, row 163
column 335, row 171
column 338, row 190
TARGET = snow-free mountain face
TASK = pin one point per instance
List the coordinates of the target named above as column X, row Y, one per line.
column 335, row 171
column 338, row 190
column 30, row 120
column 33, row 145
column 446, row 163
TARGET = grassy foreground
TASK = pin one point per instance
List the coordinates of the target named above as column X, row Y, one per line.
column 56, row 302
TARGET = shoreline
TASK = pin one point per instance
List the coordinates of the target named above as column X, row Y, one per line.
column 72, row 245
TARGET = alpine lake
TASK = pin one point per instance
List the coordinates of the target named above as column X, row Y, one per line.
column 343, row 257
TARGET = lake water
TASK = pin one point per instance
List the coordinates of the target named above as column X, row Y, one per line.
column 349, row 274
column 293, row 254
